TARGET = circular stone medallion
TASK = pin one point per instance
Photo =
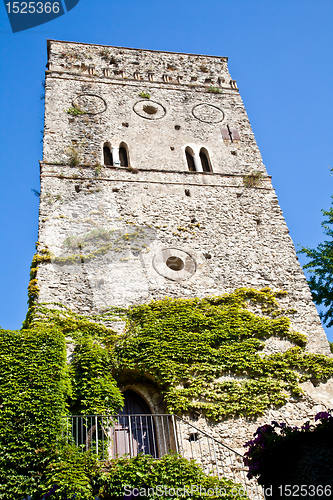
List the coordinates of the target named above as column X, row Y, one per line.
column 90, row 103
column 150, row 110
column 208, row 113
column 174, row 264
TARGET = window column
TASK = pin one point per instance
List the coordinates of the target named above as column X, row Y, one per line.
column 197, row 162
column 115, row 156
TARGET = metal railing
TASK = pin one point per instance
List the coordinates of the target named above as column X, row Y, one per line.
column 157, row 435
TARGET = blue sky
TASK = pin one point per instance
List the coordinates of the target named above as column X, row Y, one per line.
column 280, row 53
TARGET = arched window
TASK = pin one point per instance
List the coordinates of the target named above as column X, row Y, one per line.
column 123, row 156
column 108, row 160
column 205, row 160
column 190, row 159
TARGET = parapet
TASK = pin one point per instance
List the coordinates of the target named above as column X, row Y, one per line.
column 121, row 63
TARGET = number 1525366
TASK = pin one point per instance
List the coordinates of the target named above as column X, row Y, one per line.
column 33, row 7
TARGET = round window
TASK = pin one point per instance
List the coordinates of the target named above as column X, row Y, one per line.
column 175, row 263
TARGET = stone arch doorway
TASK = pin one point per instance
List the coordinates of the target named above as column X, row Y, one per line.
column 134, row 404
column 135, row 430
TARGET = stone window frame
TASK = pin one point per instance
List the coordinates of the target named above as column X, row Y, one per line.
column 195, row 151
column 107, row 144
column 204, row 151
column 124, row 145
column 190, row 153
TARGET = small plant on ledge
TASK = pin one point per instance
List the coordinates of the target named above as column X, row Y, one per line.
column 74, row 155
column 98, row 169
column 75, row 111
column 214, row 90
column 252, row 180
column 132, row 169
column 105, row 52
column 146, row 95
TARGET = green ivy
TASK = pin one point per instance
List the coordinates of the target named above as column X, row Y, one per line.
column 93, row 388
column 95, row 391
column 202, row 355
column 34, row 386
column 171, row 471
column 74, row 473
column 205, row 354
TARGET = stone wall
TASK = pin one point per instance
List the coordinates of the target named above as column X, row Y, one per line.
column 112, row 229
column 187, row 114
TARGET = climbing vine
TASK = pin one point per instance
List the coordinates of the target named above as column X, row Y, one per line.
column 204, row 355
column 34, row 387
column 95, row 390
column 145, row 476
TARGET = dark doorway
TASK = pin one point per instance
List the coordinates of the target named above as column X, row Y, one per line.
column 135, row 431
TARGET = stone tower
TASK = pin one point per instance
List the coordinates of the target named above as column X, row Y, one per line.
column 152, row 185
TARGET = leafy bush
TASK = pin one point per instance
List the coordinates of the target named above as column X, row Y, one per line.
column 74, row 473
column 34, row 385
column 171, row 471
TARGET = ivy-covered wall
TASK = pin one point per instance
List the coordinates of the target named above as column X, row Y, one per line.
column 204, row 356
column 34, row 387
